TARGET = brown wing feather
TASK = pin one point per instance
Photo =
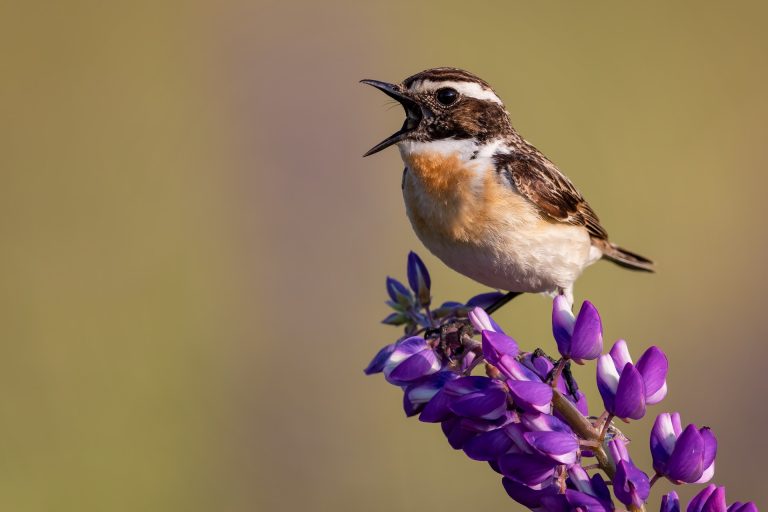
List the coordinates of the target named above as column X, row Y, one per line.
column 539, row 181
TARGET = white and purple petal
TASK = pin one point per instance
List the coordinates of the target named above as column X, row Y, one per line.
column 379, row 360
column 653, row 366
column 561, row 447
column 620, row 355
column 529, row 469
column 563, row 322
column 497, row 344
column 686, row 464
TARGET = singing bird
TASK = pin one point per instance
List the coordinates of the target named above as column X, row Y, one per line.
column 484, row 200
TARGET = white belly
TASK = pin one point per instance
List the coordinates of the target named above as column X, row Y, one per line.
column 518, row 259
column 499, row 240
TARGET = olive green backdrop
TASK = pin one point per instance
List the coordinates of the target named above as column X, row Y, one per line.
column 193, row 251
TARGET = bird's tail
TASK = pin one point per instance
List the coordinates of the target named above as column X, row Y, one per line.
column 625, row 258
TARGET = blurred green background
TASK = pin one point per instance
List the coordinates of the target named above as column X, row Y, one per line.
column 194, row 252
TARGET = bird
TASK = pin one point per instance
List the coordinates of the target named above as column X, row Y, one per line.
column 485, row 201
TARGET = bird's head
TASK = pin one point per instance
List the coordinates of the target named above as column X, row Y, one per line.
column 444, row 103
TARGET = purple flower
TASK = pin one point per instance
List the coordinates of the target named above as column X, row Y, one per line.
column 528, row 391
column 670, row 502
column 460, row 431
column 626, row 388
column 481, row 321
column 527, row 468
column 418, row 278
column 630, row 485
column 712, row 499
column 476, row 397
column 418, row 394
column 587, row 494
column 497, row 344
column 504, row 437
column 578, row 338
column 410, row 360
column 558, row 446
column 551, row 437
column 542, row 367
column 377, row 363
column 682, row 455
column 535, row 498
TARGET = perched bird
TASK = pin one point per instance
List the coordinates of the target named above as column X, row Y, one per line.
column 483, row 199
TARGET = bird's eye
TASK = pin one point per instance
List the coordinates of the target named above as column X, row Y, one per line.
column 447, row 96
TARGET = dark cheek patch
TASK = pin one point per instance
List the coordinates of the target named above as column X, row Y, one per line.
column 469, row 118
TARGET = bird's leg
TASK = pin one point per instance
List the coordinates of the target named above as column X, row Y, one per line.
column 501, row 302
column 570, row 382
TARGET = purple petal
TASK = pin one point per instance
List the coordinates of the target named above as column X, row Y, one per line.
column 630, row 485
column 456, row 432
column 531, row 396
column 404, row 349
column 471, row 384
column 560, row 447
column 377, row 363
column 587, row 338
column 415, row 367
column 617, row 448
column 710, row 452
column 670, row 502
column 663, row 440
column 697, row 502
column 490, row 404
column 544, row 423
column 630, row 395
column 513, row 369
column 418, row 278
column 686, row 462
column 607, row 381
column 482, row 322
column 489, row 445
column 562, row 324
column 743, row 507
column 653, row 366
column 539, row 365
column 716, row 501
column 600, row 488
column 419, row 393
column 437, row 409
column 497, row 344
column 477, row 397
column 581, row 501
column 530, row 469
column 525, row 495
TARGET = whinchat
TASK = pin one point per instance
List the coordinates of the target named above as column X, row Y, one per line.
column 483, row 199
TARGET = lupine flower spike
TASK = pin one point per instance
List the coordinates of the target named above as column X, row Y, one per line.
column 509, row 408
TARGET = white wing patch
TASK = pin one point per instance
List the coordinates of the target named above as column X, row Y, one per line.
column 471, row 89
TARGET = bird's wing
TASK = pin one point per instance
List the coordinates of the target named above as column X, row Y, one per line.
column 538, row 180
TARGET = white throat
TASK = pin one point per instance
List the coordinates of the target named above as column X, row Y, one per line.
column 465, row 149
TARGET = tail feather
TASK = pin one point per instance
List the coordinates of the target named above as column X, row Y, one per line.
column 626, row 259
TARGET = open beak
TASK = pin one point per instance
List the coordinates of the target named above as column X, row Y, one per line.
column 412, row 113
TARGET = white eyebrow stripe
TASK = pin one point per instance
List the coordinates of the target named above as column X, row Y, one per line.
column 471, row 89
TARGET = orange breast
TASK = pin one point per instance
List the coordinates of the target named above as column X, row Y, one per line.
column 459, row 201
